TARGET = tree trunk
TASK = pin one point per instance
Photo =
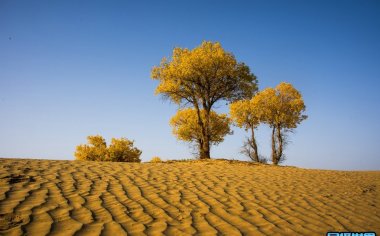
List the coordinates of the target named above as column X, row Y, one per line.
column 200, row 145
column 280, row 144
column 254, row 145
column 205, row 152
column 204, row 144
column 274, row 151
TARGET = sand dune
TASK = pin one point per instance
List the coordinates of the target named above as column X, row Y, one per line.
column 39, row 197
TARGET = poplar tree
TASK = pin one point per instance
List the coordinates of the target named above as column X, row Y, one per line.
column 200, row 78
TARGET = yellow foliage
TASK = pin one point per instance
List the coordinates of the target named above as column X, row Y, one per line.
column 244, row 113
column 206, row 73
column 95, row 150
column 280, row 107
column 185, row 125
column 120, row 150
column 156, row 160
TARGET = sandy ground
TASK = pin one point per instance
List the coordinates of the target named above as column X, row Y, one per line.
column 39, row 197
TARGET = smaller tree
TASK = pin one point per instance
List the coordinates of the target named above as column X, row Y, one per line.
column 95, row 150
column 245, row 115
column 186, row 127
column 282, row 109
column 120, row 150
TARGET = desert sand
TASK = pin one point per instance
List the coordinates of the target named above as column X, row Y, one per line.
column 42, row 197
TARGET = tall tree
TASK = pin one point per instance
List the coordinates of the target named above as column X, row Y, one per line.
column 282, row 109
column 245, row 115
column 202, row 77
column 186, row 128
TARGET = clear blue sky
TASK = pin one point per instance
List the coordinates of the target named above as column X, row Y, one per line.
column 69, row 69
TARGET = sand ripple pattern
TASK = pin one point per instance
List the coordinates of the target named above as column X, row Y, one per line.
column 40, row 197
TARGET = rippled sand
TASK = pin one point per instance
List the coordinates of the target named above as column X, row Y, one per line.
column 39, row 197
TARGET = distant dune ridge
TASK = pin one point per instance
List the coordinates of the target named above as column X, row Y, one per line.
column 40, row 197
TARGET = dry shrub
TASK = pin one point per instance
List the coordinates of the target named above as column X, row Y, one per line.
column 120, row 150
column 156, row 160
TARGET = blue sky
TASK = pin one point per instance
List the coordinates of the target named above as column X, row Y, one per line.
column 69, row 69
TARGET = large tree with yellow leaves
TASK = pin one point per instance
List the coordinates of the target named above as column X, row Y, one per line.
column 202, row 77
